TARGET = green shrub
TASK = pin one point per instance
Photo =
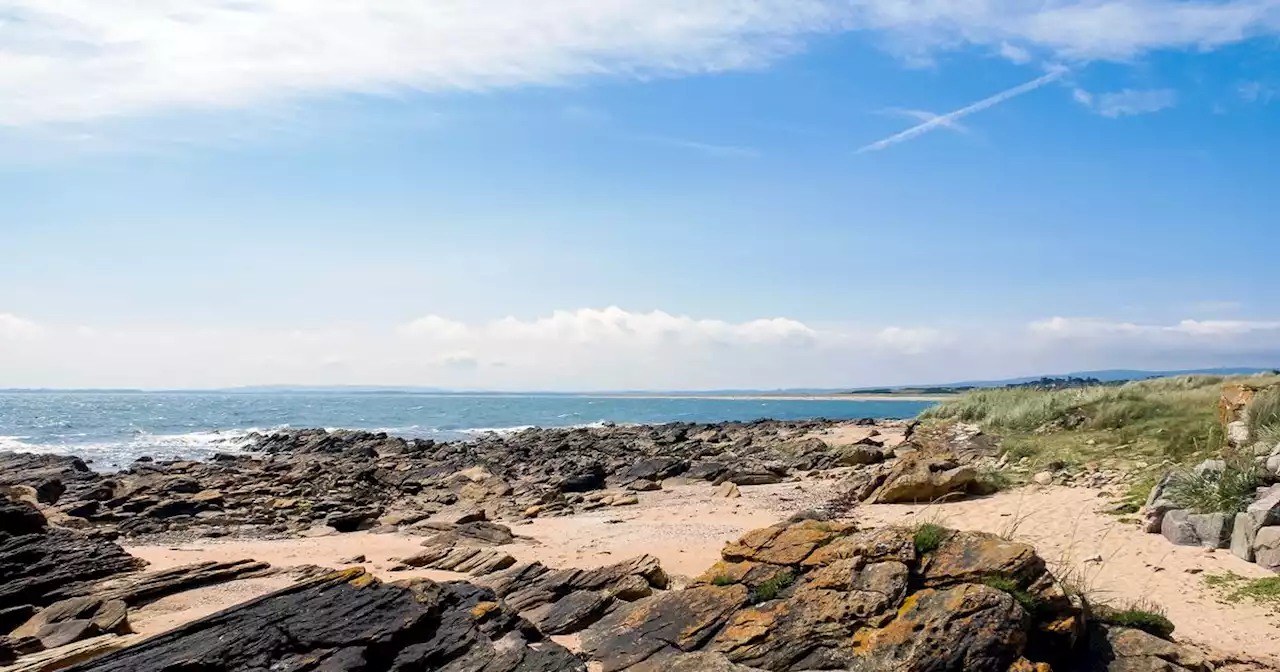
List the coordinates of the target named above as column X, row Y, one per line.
column 1228, row 491
column 767, row 590
column 928, row 537
column 722, row 580
column 1146, row 616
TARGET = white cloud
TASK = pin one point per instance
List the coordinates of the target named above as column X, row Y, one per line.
column 75, row 60
column 926, row 116
column 436, row 327
column 1015, row 53
column 1129, row 102
column 1254, row 92
column 613, row 348
column 14, row 327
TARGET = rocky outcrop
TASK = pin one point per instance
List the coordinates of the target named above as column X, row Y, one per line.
column 40, row 565
column 818, row 595
column 351, row 622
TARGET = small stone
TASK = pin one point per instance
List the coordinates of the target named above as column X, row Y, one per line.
column 353, row 560
column 728, row 491
column 624, row 500
column 644, row 485
column 1043, row 478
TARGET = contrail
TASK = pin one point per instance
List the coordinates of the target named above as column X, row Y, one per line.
column 950, row 117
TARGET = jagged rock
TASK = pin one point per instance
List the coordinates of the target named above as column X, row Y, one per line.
column 572, row 612
column 44, row 567
column 917, row 478
column 138, row 589
column 350, row 621
column 674, row 622
column 653, row 469
column 12, row 617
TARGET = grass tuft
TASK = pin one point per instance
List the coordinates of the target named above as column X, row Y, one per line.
column 1228, row 491
column 722, row 580
column 1236, row 588
column 767, row 590
column 928, row 537
column 1030, row 603
column 1146, row 616
column 1264, row 416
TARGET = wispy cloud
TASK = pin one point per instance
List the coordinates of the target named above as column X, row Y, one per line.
column 1256, row 92
column 75, row 60
column 925, row 115
column 706, row 148
column 1127, row 103
column 948, row 120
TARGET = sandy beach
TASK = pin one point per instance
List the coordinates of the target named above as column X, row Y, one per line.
column 685, row 526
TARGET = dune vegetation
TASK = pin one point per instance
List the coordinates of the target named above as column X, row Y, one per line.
column 1141, row 423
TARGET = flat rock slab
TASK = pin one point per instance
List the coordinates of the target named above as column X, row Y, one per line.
column 349, row 621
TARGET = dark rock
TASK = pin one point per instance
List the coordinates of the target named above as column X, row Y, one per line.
column 752, row 477
column 42, row 568
column 585, row 479
column 19, row 518
column 653, row 469
column 351, row 622
column 12, row 617
column 572, row 613
column 351, row 521
column 60, row 634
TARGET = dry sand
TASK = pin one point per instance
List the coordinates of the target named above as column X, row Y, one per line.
column 685, row 527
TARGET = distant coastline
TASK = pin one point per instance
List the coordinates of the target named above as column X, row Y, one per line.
column 851, row 396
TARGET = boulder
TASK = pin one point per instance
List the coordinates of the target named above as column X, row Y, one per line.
column 1117, row 649
column 1213, row 529
column 1242, row 536
column 351, row 520
column 970, row 557
column 920, row 478
column 1178, row 529
column 924, row 636
column 1266, row 548
column 783, row 544
column 349, row 621
column 858, row 455
column 1265, row 510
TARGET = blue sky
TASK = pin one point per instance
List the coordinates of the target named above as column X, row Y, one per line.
column 578, row 194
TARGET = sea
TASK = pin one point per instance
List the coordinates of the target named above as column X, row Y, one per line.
column 112, row 429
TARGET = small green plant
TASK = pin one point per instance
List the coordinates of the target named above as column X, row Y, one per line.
column 1146, row 616
column 928, row 537
column 722, row 580
column 1227, row 491
column 767, row 590
column 1030, row 603
column 1236, row 588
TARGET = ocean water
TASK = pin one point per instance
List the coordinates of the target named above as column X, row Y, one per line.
column 114, row 428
